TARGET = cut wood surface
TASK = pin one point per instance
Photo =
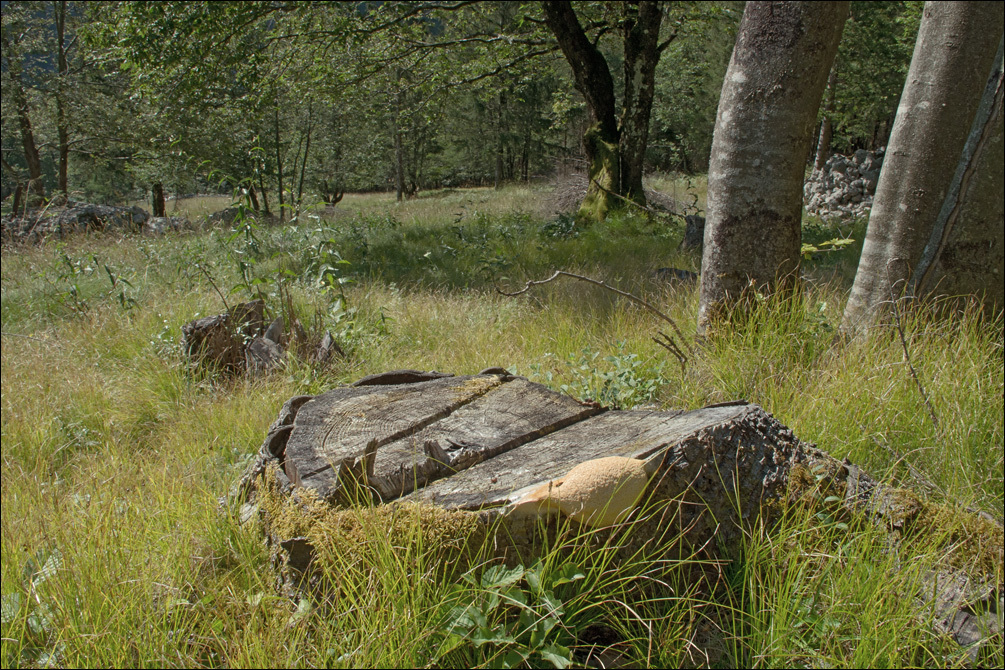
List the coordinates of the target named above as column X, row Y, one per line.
column 636, row 434
column 401, row 436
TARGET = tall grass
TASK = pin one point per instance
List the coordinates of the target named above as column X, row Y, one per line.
column 116, row 552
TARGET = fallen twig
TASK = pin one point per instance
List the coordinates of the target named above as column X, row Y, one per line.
column 670, row 345
column 596, row 282
column 907, row 356
column 27, row 337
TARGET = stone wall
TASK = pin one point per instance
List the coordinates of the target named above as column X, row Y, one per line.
column 844, row 188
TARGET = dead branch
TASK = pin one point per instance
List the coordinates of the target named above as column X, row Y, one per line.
column 596, row 282
column 215, row 287
column 907, row 357
column 670, row 345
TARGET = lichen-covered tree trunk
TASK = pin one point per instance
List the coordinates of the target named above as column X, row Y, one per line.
column 952, row 57
column 965, row 254
column 763, row 134
column 642, row 55
column 615, row 151
column 593, row 79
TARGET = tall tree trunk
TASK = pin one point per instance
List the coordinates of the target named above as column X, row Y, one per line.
column 499, row 144
column 31, row 157
column 965, row 254
column 15, row 174
column 279, row 168
column 293, row 172
column 62, row 133
column 157, row 199
column 824, row 141
column 762, row 140
column 265, row 196
column 952, row 57
column 593, row 79
column 399, row 151
column 641, row 34
column 614, row 146
column 307, row 151
column 526, row 156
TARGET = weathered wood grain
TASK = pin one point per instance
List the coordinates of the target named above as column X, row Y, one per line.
column 508, row 415
column 335, row 429
column 635, row 434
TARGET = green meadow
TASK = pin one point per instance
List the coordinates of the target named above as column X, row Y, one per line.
column 116, row 550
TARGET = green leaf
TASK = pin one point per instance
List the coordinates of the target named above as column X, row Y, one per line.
column 9, row 607
column 486, row 635
column 304, row 608
column 513, row 659
column 500, row 575
column 570, row 572
column 557, row 655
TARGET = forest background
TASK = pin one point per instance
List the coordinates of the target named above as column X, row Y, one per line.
column 446, row 103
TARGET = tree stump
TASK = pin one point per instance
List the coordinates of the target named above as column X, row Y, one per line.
column 481, row 448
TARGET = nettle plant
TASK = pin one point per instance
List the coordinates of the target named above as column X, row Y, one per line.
column 514, row 617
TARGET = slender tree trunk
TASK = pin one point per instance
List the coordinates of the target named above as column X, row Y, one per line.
column 824, row 141
column 31, row 157
column 17, row 207
column 965, row 254
column 18, row 199
column 307, row 151
column 763, row 135
column 293, row 172
column 265, row 194
column 253, row 197
column 526, row 156
column 157, row 199
column 61, row 129
column 279, row 169
column 399, row 152
column 952, row 57
column 499, row 143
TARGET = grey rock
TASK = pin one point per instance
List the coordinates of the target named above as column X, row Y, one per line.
column 275, row 331
column 262, row 356
column 73, row 217
column 843, row 188
column 158, row 225
column 327, row 349
column 676, row 275
column 234, row 214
